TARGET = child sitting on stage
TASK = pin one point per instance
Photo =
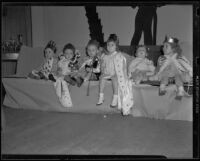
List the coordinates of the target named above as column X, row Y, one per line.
column 113, row 66
column 173, row 64
column 91, row 65
column 50, row 63
column 141, row 67
column 68, row 66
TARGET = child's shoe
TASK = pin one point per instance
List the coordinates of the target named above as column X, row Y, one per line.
column 101, row 99
column 162, row 90
column 70, row 80
column 180, row 93
column 51, row 77
column 79, row 81
column 114, row 101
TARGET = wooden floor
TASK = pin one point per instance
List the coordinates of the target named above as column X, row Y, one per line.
column 36, row 132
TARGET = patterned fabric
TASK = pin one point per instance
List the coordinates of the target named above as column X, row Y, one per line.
column 125, row 93
column 62, row 92
column 49, row 66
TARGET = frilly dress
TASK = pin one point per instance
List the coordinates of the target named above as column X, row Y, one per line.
column 140, row 68
column 115, row 65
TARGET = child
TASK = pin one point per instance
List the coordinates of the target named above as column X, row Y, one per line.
column 113, row 66
column 141, row 67
column 50, row 63
column 68, row 66
column 91, row 64
column 173, row 64
column 66, row 73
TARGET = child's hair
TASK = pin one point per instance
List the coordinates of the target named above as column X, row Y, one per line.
column 139, row 46
column 174, row 42
column 51, row 45
column 114, row 38
column 69, row 46
column 92, row 42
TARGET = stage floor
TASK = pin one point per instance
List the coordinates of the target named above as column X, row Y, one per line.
column 37, row 132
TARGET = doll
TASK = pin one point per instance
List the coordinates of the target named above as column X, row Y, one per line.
column 113, row 67
column 91, row 65
column 50, row 63
column 141, row 68
column 173, row 65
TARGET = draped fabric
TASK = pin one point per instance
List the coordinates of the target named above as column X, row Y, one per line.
column 125, row 93
column 62, row 92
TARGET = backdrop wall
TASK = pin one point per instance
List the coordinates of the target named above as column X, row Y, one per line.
column 65, row 24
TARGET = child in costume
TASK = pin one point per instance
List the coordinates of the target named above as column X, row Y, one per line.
column 67, row 73
column 173, row 65
column 91, row 66
column 141, row 68
column 113, row 66
column 68, row 66
column 49, row 65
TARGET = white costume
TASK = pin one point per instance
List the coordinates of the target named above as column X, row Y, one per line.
column 115, row 64
column 61, row 85
column 140, row 68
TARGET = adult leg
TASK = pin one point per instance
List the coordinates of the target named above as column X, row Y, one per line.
column 148, row 38
column 138, row 30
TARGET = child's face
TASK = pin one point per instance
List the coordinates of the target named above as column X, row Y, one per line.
column 111, row 46
column 48, row 53
column 167, row 49
column 68, row 53
column 141, row 52
column 92, row 50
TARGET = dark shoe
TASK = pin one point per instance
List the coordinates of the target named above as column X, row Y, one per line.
column 179, row 98
column 51, row 77
column 79, row 81
column 70, row 80
column 162, row 92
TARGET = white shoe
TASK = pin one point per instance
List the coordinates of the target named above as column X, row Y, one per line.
column 162, row 90
column 101, row 99
column 114, row 101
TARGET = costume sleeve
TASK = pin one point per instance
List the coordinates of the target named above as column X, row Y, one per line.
column 185, row 64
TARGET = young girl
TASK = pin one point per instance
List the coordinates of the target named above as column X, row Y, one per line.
column 50, row 63
column 113, row 66
column 91, row 64
column 141, row 67
column 173, row 64
column 68, row 66
column 66, row 73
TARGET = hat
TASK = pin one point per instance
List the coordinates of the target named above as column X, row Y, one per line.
column 52, row 45
column 171, row 40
